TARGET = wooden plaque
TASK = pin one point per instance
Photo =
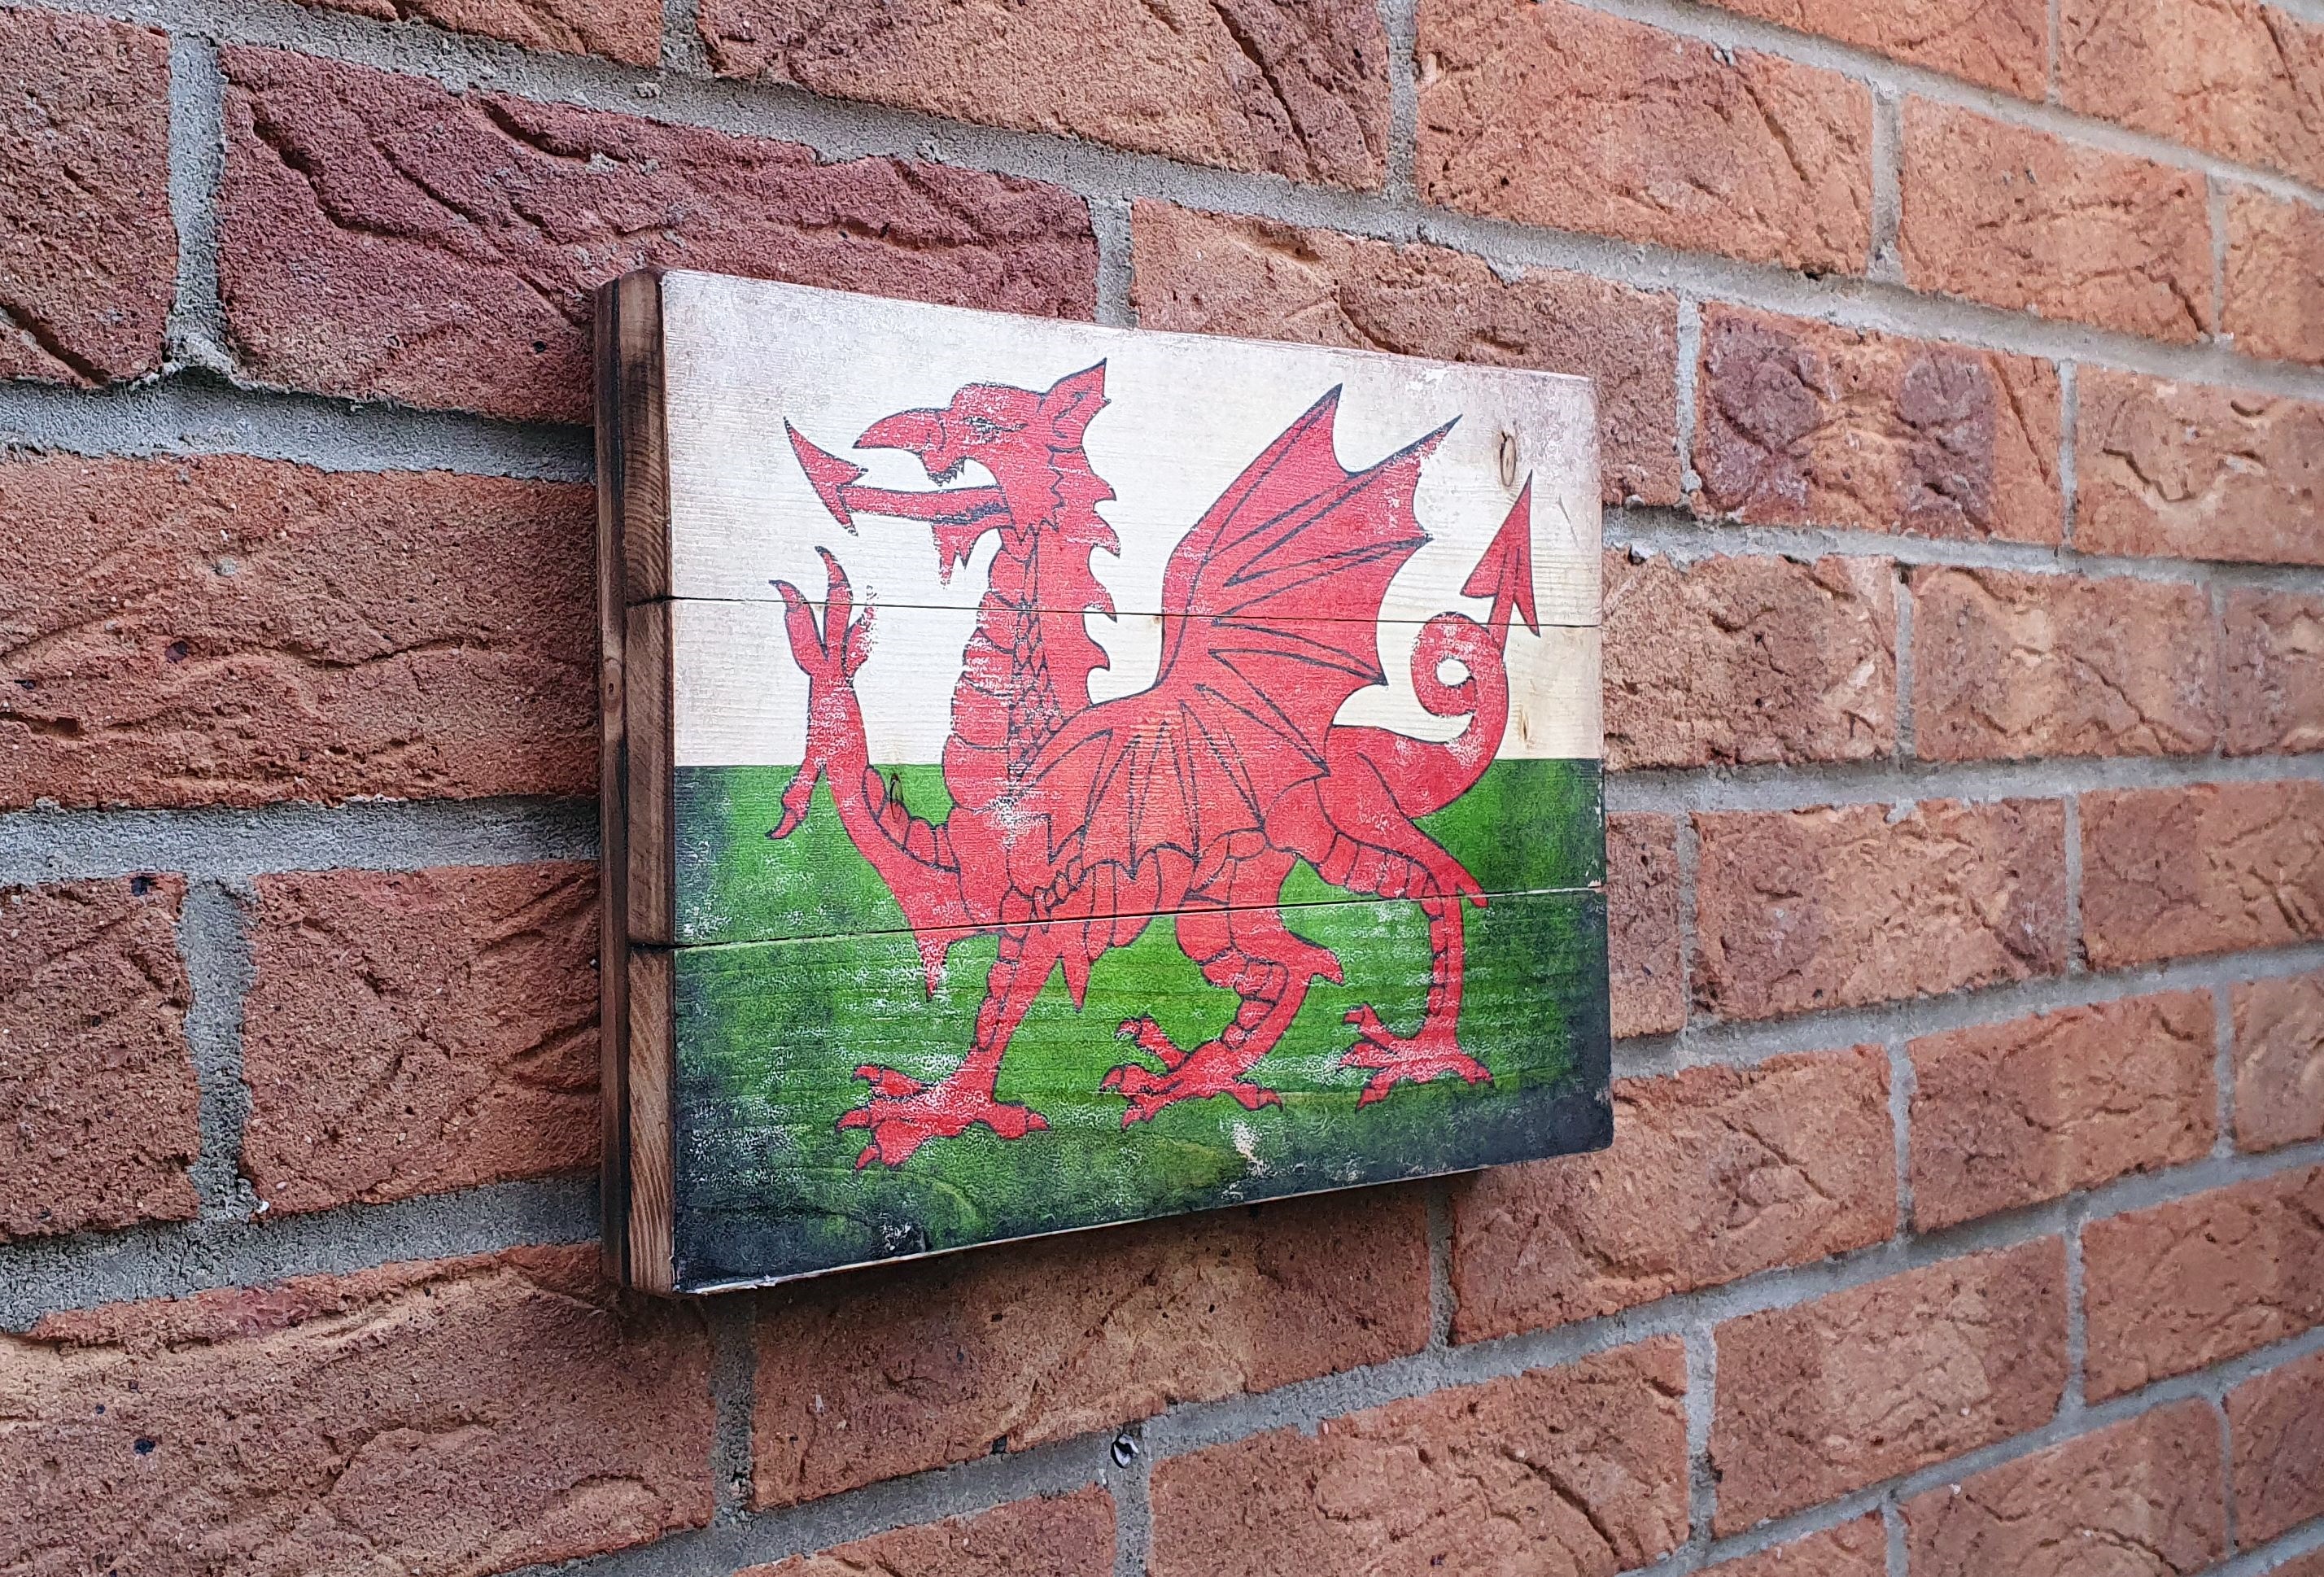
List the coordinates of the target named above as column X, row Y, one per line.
column 1059, row 775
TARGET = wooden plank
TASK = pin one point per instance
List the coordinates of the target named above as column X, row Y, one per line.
column 644, row 480
column 652, row 826
column 652, row 1050
column 771, row 1040
column 746, row 509
column 740, row 694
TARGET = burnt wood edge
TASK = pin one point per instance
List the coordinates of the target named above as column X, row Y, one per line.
column 632, row 517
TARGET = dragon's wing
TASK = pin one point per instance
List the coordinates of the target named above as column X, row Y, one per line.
column 1272, row 610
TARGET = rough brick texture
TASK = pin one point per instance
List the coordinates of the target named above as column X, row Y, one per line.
column 1296, row 88
column 1716, row 1173
column 98, row 1108
column 1853, row 1549
column 1809, row 909
column 1749, row 660
column 1069, row 1536
column 2011, row 1114
column 2237, row 77
column 1800, row 423
column 2278, row 1062
column 1999, row 43
column 893, row 1371
column 2276, row 1421
column 410, row 1033
column 2024, row 220
column 380, row 236
column 2182, row 1285
column 224, row 630
column 2271, row 673
column 459, row 1416
column 1648, row 987
column 2008, row 665
column 1579, row 1471
column 2170, row 873
column 1213, row 273
column 629, row 31
column 1827, row 1397
column 2190, row 471
column 2274, row 278
column 88, row 256
column 2144, row 1496
column 1553, row 115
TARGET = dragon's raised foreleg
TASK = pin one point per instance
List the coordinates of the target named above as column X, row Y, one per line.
column 914, row 857
column 903, row 1114
column 1249, row 951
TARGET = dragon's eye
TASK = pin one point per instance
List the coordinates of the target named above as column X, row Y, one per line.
column 983, row 430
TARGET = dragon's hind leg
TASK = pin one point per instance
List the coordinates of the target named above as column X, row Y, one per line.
column 1435, row 1050
column 902, row 1114
column 1249, row 952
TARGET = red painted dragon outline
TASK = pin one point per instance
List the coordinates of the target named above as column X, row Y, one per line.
column 1075, row 823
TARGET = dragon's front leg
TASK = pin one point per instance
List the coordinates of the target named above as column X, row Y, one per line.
column 903, row 1114
column 914, row 857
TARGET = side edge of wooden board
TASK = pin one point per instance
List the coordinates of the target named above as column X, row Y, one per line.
column 644, row 482
column 653, row 823
column 652, row 1052
column 613, row 816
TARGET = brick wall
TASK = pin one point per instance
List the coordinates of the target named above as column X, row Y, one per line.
column 1962, row 365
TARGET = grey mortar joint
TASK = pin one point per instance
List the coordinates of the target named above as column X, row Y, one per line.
column 195, row 333
column 1399, row 23
column 198, row 412
column 2223, row 1066
column 1109, row 222
column 734, row 1389
column 1885, row 262
column 1133, row 1483
column 215, row 943
column 231, row 846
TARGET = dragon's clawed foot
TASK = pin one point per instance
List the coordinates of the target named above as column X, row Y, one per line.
column 829, row 653
column 1208, row 1070
column 903, row 1114
column 1405, row 1059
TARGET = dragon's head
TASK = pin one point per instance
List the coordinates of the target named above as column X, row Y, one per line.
column 1010, row 431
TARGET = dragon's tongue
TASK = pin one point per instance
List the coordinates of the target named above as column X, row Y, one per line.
column 828, row 475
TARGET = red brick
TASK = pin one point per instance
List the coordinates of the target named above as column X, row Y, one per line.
column 1296, row 88
column 1069, row 1536
column 2193, row 472
column 1213, row 273
column 1553, row 115
column 629, row 31
column 2278, row 1062
column 1997, row 43
column 2273, row 673
column 2143, row 1496
column 1828, row 1396
column 1749, row 660
column 1642, row 924
column 2276, row 1421
column 100, row 1114
column 1798, row 911
column 2220, row 867
column 2308, row 1565
column 89, row 253
column 893, row 1371
column 226, row 631
column 2236, row 78
column 2021, row 219
column 411, row 1033
column 459, row 1416
column 1579, row 1471
column 2274, row 278
column 2010, row 1114
column 1719, row 1172
column 1800, row 423
column 2009, row 665
column 2188, row 1283
column 381, row 237
column 1853, row 1549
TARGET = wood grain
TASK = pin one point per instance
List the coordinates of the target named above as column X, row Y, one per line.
column 652, row 1056
column 652, row 824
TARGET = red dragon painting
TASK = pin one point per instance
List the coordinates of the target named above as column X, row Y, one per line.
column 1075, row 822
